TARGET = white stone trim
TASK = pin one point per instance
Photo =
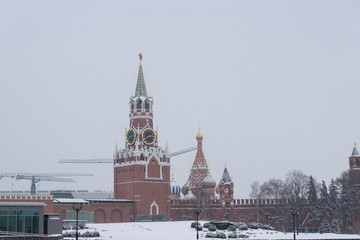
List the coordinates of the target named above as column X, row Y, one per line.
column 118, row 183
column 157, row 208
column 161, row 165
column 141, row 116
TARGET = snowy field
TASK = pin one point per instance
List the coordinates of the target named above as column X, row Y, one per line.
column 183, row 231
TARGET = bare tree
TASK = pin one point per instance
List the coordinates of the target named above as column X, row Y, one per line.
column 294, row 188
column 255, row 190
column 273, row 189
column 297, row 184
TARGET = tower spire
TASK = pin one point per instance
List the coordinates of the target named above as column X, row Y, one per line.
column 226, row 176
column 140, row 85
column 355, row 152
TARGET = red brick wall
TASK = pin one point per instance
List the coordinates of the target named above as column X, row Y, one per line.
column 103, row 212
column 130, row 183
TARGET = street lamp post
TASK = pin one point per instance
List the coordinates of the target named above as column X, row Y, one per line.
column 197, row 211
column 226, row 215
column 318, row 223
column 77, row 210
column 281, row 224
column 267, row 215
column 294, row 213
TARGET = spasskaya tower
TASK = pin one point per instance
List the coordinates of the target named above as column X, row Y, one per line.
column 142, row 167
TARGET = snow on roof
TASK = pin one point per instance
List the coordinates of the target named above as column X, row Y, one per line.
column 355, row 153
column 69, row 200
column 101, row 200
column 226, row 176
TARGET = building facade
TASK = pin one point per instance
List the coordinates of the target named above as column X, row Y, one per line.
column 22, row 217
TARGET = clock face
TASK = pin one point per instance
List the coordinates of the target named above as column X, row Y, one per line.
column 131, row 136
column 148, row 136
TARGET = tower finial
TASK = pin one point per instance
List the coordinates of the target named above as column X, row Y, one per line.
column 116, row 151
column 199, row 136
column 355, row 144
column 140, row 57
column 167, row 147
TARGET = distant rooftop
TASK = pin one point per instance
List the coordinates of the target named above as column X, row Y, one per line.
column 70, row 201
column 22, row 204
column 85, row 194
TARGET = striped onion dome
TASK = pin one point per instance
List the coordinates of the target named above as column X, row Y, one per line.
column 174, row 187
column 208, row 181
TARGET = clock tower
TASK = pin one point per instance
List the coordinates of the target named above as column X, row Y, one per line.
column 142, row 168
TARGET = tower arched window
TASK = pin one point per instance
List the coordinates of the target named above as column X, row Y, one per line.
column 147, row 104
column 357, row 162
column 139, row 103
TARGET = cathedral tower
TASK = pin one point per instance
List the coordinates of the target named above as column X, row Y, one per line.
column 200, row 182
column 142, row 168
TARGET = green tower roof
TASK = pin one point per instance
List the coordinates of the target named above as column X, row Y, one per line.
column 140, row 85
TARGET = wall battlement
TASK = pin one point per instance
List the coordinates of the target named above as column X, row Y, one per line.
column 25, row 197
column 237, row 202
column 47, row 199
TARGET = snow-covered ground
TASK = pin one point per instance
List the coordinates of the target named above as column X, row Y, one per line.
column 183, row 231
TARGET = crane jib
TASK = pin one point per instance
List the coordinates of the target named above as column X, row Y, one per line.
column 110, row 160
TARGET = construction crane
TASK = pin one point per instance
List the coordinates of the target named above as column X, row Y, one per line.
column 110, row 160
column 37, row 177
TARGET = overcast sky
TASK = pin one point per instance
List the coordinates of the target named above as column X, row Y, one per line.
column 273, row 84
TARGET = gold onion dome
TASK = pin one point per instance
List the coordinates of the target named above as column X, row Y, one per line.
column 199, row 135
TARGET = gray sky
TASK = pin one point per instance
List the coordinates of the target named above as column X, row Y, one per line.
column 274, row 85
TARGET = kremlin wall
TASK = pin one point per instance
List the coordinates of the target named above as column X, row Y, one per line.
column 145, row 191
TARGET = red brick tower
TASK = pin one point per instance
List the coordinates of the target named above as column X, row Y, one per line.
column 354, row 159
column 226, row 188
column 142, row 168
